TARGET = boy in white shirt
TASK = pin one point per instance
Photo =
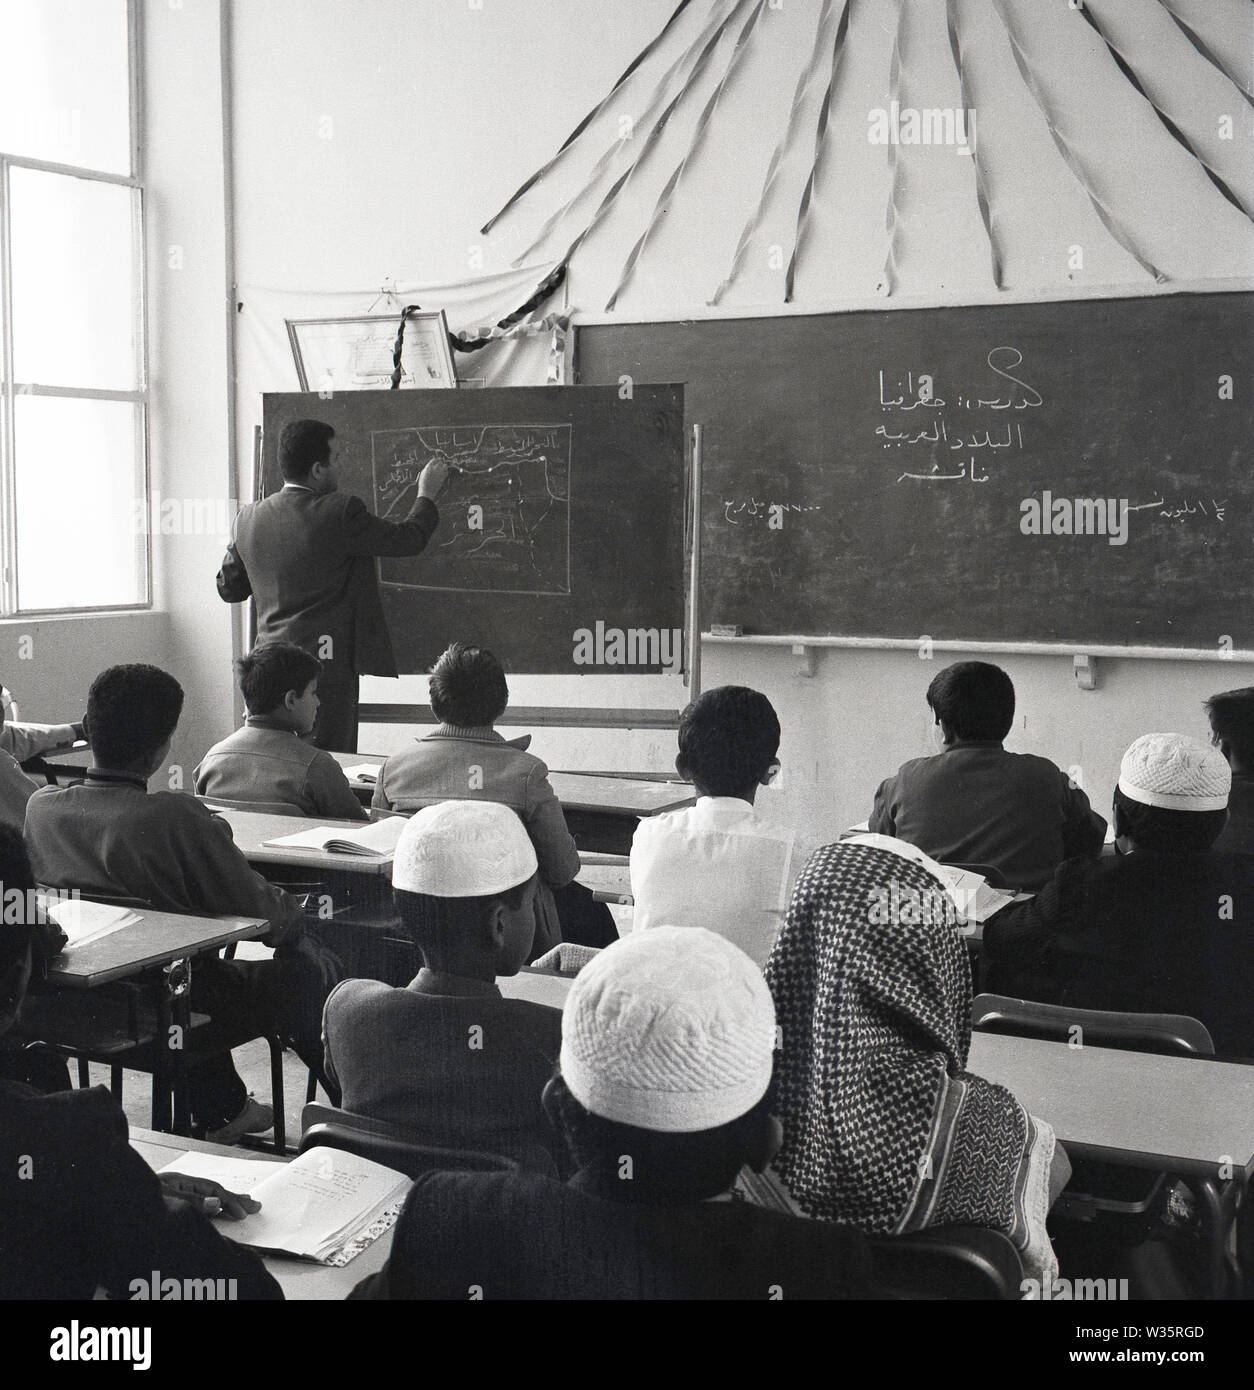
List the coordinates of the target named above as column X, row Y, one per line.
column 719, row 864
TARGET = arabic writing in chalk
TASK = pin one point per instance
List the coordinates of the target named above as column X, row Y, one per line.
column 1176, row 510
column 947, row 425
column 737, row 512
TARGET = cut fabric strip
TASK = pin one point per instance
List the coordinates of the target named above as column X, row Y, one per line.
column 663, row 202
column 1168, row 124
column 820, row 146
column 645, row 53
column 1208, row 53
column 981, row 168
column 655, row 134
column 888, row 277
column 1072, row 161
column 800, row 95
column 678, row 75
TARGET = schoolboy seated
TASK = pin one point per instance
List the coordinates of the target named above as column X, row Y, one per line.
column 662, row 1096
column 466, row 759
column 79, row 1208
column 1166, row 926
column 447, row 1057
column 1232, row 732
column 22, row 740
column 108, row 835
column 975, row 803
column 719, row 864
column 268, row 760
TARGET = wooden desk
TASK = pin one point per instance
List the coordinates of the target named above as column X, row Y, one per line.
column 536, row 985
column 155, row 940
column 299, row 1279
column 1179, row 1114
column 602, row 812
column 252, row 828
column 142, row 949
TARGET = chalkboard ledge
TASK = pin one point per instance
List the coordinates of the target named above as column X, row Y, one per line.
column 912, row 644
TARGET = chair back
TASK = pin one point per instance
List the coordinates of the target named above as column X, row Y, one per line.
column 1173, row 1034
column 391, row 1145
column 947, row 1262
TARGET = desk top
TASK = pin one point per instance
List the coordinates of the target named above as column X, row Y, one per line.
column 299, row 1279
column 252, row 828
column 156, row 939
column 1176, row 1113
column 587, row 791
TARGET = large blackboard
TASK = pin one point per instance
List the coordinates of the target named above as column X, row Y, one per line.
column 843, row 496
column 565, row 511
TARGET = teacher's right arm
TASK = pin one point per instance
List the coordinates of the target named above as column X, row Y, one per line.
column 365, row 534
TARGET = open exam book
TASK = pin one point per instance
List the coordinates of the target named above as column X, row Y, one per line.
column 377, row 840
column 325, row 1205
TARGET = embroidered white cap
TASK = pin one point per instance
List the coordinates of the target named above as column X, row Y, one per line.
column 670, row 1029
column 463, row 849
column 1176, row 773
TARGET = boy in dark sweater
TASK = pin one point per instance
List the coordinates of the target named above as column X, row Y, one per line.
column 447, row 1057
column 975, row 803
column 268, row 760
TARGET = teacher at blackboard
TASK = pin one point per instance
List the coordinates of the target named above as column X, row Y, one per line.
column 305, row 555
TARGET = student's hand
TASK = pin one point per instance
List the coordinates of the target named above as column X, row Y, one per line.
column 208, row 1197
column 432, row 480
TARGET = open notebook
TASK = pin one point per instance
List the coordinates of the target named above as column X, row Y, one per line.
column 374, row 841
column 84, row 921
column 326, row 1205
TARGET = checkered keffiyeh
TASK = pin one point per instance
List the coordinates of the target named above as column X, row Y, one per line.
column 883, row 1128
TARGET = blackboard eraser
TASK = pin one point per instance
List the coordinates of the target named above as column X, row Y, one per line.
column 726, row 630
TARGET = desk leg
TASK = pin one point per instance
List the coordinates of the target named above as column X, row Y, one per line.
column 169, row 1082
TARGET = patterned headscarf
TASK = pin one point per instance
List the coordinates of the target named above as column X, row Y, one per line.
column 884, row 1129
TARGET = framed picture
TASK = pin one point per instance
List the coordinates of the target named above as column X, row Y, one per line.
column 355, row 354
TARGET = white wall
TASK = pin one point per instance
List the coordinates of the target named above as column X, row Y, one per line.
column 438, row 111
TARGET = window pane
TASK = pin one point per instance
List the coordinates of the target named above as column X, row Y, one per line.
column 64, row 82
column 77, row 480
column 74, row 291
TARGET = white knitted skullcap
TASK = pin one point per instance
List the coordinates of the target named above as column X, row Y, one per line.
column 463, row 849
column 1175, row 772
column 671, row 1029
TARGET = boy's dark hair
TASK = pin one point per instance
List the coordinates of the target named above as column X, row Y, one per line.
column 468, row 687
column 665, row 1167
column 727, row 740
column 441, row 925
column 973, row 700
column 268, row 672
column 302, row 444
column 131, row 711
column 15, row 873
column 1155, row 827
column 1231, row 715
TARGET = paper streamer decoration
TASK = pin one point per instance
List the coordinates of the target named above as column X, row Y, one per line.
column 1072, row 161
column 668, row 190
column 888, row 280
column 1169, row 125
column 803, row 210
column 1208, row 53
column 640, row 57
column 655, row 134
column 981, row 169
column 677, row 74
column 800, row 95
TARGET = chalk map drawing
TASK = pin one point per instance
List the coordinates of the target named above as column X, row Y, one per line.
column 504, row 514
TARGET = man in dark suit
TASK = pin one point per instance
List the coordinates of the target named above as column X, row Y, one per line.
column 306, row 554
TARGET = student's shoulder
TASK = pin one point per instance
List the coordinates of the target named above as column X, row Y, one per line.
column 351, row 996
column 532, row 1017
column 77, row 1121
